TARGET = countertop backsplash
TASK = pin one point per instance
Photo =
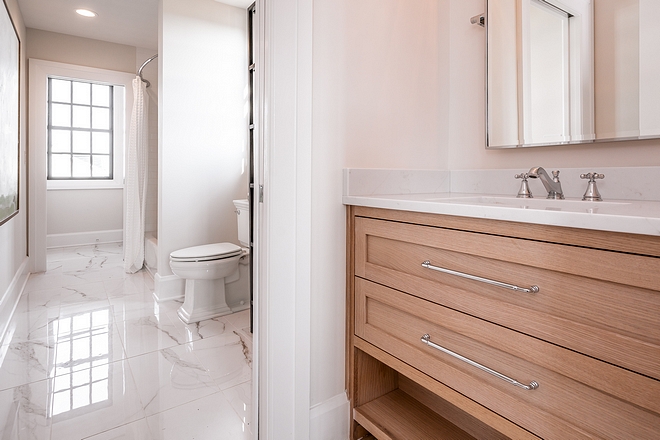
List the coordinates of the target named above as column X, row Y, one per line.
column 620, row 183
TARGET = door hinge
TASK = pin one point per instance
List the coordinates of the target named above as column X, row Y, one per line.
column 261, row 193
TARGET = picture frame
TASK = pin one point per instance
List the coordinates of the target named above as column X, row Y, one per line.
column 9, row 116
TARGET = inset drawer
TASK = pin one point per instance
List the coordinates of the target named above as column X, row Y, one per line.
column 600, row 303
column 577, row 396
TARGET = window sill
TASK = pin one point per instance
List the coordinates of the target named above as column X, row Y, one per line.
column 81, row 185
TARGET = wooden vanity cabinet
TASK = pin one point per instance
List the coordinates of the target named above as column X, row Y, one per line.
column 589, row 337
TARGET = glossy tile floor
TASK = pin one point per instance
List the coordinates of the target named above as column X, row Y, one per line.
column 90, row 355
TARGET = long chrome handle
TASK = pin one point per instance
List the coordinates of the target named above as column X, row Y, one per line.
column 532, row 385
column 532, row 289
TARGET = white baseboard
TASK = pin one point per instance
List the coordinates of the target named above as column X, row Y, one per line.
column 168, row 288
column 330, row 420
column 84, row 238
column 10, row 297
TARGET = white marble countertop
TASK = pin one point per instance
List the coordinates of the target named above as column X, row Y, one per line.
column 631, row 216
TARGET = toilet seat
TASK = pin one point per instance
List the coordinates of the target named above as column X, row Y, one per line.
column 207, row 252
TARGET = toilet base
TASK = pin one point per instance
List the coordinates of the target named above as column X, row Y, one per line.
column 204, row 299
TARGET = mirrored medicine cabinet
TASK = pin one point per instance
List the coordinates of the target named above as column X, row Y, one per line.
column 571, row 71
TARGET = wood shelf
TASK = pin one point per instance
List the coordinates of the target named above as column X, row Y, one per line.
column 397, row 415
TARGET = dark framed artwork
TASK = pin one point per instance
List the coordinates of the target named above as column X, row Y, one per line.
column 9, row 116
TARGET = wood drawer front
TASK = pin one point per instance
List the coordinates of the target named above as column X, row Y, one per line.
column 615, row 322
column 578, row 396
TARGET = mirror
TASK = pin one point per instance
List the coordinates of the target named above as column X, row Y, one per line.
column 572, row 71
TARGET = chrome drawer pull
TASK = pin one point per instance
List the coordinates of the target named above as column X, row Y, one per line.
column 533, row 289
column 532, row 385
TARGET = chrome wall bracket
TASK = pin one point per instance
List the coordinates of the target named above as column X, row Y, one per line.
column 479, row 20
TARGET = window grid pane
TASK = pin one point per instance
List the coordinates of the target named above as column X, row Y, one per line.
column 80, row 130
column 81, row 142
column 60, row 90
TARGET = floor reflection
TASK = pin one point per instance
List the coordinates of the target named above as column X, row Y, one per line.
column 82, row 362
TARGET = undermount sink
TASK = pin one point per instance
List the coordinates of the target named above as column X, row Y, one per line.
column 547, row 204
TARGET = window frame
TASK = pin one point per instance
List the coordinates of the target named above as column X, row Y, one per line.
column 122, row 106
column 72, row 128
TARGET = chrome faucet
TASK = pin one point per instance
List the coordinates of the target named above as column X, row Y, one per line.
column 551, row 184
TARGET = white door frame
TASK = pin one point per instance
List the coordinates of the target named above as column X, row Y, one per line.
column 283, row 220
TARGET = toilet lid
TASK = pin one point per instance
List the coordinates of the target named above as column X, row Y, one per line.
column 207, row 252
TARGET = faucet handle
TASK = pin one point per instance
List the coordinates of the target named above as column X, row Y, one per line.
column 592, row 194
column 592, row 176
column 524, row 192
column 555, row 175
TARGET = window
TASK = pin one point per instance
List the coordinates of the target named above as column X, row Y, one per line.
column 80, row 130
column 79, row 119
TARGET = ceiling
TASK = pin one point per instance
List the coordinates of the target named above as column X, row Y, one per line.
column 131, row 22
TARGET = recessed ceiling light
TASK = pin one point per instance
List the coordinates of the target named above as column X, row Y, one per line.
column 86, row 13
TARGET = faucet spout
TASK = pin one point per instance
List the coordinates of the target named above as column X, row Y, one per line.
column 551, row 184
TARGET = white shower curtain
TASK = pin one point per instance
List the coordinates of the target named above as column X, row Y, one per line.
column 136, row 180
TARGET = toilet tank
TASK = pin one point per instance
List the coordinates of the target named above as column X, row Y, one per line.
column 243, row 218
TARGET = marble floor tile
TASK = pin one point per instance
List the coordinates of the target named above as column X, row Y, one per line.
column 171, row 308
column 66, row 253
column 23, row 412
column 94, row 400
column 194, row 421
column 108, row 273
column 138, row 430
column 240, row 320
column 82, row 293
column 170, row 377
column 129, row 286
column 200, row 330
column 134, row 306
column 148, row 334
column 57, row 255
column 31, row 322
column 149, row 281
column 41, row 299
column 44, row 281
column 83, row 265
column 240, row 398
column 25, row 362
column 227, row 358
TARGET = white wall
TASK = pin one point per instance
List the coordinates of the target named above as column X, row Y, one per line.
column 203, row 127
column 379, row 67
column 72, row 211
column 13, row 234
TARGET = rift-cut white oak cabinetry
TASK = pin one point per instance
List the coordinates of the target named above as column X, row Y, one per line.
column 578, row 356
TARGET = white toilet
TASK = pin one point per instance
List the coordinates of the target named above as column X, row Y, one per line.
column 208, row 268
